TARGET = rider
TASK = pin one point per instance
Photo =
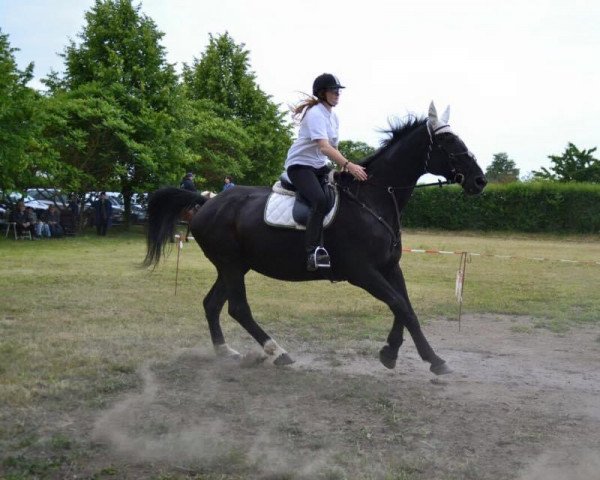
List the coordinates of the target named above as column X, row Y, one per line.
column 306, row 163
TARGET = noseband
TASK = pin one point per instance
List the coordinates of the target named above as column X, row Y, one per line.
column 457, row 177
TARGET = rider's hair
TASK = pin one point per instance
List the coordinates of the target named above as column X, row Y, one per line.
column 300, row 109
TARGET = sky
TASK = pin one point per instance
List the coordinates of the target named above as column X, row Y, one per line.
column 521, row 78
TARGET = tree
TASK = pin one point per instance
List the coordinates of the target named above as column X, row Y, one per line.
column 223, row 77
column 221, row 144
column 573, row 165
column 18, row 124
column 119, row 104
column 81, row 127
column 502, row 169
column 355, row 151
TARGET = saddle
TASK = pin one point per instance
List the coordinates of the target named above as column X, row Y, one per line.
column 287, row 208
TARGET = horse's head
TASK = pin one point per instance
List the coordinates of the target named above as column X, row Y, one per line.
column 450, row 157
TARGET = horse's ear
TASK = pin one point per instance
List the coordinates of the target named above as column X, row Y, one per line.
column 446, row 115
column 433, row 118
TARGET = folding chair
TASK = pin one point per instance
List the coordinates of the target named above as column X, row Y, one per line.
column 10, row 225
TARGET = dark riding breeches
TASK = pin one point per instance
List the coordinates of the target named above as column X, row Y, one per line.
column 309, row 182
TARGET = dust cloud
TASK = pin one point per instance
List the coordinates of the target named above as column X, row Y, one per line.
column 522, row 406
column 580, row 464
column 208, row 427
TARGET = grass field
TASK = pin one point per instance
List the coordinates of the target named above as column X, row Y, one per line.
column 79, row 316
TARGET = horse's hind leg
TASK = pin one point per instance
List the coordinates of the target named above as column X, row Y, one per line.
column 213, row 304
column 239, row 309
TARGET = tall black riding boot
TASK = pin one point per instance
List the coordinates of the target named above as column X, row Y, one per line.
column 317, row 255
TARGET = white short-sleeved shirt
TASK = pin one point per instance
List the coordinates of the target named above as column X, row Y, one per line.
column 318, row 123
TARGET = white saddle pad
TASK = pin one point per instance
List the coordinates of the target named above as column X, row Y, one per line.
column 278, row 211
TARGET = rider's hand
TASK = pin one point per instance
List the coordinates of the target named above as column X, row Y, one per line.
column 357, row 171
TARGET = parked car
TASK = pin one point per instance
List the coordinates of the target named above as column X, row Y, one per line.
column 139, row 207
column 10, row 200
column 138, row 210
column 49, row 196
column 117, row 209
column 3, row 214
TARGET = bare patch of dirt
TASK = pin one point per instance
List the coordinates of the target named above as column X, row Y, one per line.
column 522, row 404
column 518, row 406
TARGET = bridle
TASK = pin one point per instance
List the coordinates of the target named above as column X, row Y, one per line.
column 458, row 178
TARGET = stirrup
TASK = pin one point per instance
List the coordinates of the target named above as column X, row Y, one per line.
column 318, row 259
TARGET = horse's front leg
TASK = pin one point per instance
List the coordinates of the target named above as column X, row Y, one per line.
column 391, row 289
column 389, row 353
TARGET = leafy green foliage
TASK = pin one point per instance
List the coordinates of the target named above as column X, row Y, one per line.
column 355, row 151
column 221, row 144
column 18, row 125
column 116, row 114
column 573, row 165
column 524, row 207
column 502, row 169
column 222, row 77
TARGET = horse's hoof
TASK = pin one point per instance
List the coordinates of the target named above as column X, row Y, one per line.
column 386, row 358
column 283, row 359
column 440, row 369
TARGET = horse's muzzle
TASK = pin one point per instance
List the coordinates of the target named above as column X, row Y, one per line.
column 475, row 186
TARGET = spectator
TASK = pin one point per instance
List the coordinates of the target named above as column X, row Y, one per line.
column 23, row 221
column 74, row 206
column 53, row 219
column 103, row 211
column 70, row 216
column 228, row 183
column 187, row 182
column 41, row 228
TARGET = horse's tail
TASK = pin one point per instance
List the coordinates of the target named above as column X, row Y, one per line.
column 164, row 209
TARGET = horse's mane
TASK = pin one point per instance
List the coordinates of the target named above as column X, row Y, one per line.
column 396, row 131
column 400, row 128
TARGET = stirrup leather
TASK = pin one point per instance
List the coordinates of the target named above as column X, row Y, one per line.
column 318, row 259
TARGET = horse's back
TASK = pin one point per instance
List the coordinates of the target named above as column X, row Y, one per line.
column 231, row 228
column 223, row 215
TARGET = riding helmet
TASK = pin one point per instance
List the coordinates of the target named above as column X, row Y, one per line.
column 325, row 81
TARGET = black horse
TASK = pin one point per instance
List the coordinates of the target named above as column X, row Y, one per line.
column 363, row 241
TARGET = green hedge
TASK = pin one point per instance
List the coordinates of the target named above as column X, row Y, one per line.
column 526, row 207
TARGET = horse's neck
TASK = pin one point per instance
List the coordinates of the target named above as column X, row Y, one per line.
column 385, row 202
column 402, row 164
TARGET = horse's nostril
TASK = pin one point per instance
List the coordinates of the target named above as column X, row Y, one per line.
column 481, row 182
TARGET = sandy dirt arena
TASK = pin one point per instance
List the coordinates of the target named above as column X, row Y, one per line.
column 521, row 403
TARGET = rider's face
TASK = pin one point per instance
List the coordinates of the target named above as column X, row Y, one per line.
column 332, row 96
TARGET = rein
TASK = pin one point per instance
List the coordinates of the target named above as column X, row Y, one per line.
column 439, row 183
column 458, row 178
column 395, row 234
